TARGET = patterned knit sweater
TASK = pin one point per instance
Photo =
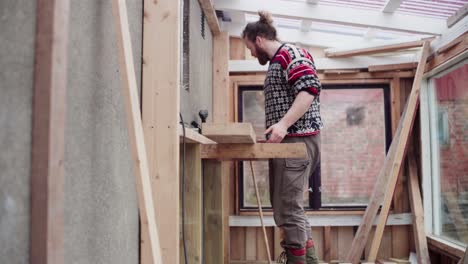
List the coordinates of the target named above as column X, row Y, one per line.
column 291, row 71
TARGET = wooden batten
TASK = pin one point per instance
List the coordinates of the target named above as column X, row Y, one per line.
column 253, row 151
column 393, row 67
column 48, row 133
column 375, row 50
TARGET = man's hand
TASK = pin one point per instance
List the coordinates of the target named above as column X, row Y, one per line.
column 278, row 132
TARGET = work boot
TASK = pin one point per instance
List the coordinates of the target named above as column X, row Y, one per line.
column 310, row 253
column 293, row 256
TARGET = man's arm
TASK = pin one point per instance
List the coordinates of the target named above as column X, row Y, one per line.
column 299, row 107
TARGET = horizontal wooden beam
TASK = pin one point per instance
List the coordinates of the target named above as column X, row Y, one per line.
column 374, row 50
column 393, row 67
column 229, row 132
column 360, row 62
column 253, row 151
column 321, row 220
column 193, row 137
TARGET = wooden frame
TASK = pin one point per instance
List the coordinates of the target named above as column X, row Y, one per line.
column 374, row 50
column 160, row 107
column 135, row 129
column 48, row 133
column 352, row 78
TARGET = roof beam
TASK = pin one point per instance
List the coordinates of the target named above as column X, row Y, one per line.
column 342, row 15
column 361, row 62
column 391, row 6
column 309, row 38
column 210, row 14
column 374, row 49
column 461, row 13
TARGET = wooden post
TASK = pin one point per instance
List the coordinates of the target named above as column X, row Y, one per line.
column 216, row 220
column 418, row 214
column 386, row 180
column 135, row 129
column 47, row 160
column 193, row 203
column 161, row 106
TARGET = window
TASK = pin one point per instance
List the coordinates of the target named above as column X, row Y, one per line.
column 446, row 173
column 353, row 144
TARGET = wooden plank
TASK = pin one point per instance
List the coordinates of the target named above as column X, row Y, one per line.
column 327, row 243
column 320, row 220
column 161, row 107
column 400, row 241
column 334, row 244
column 374, row 50
column 260, row 211
column 451, row 44
column 48, row 133
column 213, row 217
column 418, row 214
column 229, row 132
column 406, row 124
column 193, row 203
column 135, row 129
column 385, row 184
column 193, row 137
column 237, row 243
column 250, row 243
column 221, row 114
column 210, row 14
column 400, row 261
column 345, row 238
column 458, row 48
column 236, row 49
column 277, row 238
column 253, row 151
column 317, row 236
column 393, row 67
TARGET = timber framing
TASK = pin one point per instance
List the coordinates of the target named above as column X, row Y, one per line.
column 386, row 180
column 135, row 129
column 160, row 107
column 253, row 151
column 374, row 50
column 48, row 133
column 210, row 14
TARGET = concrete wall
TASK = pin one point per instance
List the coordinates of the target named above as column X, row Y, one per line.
column 199, row 93
column 17, row 27
column 101, row 215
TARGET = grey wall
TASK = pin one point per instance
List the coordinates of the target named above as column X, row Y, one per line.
column 199, row 95
column 101, row 215
column 17, row 28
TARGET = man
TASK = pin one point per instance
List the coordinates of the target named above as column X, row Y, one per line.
column 292, row 113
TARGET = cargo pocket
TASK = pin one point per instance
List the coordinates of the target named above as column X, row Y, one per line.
column 294, row 175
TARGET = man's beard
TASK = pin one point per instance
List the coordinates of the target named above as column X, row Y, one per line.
column 262, row 56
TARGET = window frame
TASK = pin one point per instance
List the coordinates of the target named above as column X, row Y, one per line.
column 386, row 87
column 430, row 156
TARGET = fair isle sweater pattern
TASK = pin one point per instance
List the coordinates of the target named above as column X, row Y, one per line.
column 291, row 71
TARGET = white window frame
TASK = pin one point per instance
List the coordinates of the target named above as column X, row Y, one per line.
column 430, row 157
